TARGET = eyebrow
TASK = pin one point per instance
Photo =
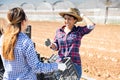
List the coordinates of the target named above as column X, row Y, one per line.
column 70, row 16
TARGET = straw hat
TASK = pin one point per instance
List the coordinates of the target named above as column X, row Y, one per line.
column 73, row 12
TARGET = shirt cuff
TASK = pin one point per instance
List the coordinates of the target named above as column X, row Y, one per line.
column 90, row 27
column 55, row 66
column 56, row 46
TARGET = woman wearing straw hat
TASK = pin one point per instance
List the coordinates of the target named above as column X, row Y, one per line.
column 68, row 38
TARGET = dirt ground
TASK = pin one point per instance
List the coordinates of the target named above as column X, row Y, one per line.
column 100, row 50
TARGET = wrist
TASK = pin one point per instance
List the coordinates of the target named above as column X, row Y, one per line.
column 53, row 46
column 82, row 15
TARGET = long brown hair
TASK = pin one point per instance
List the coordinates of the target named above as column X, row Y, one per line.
column 2, row 25
column 15, row 17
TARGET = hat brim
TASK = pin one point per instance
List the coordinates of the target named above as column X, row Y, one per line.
column 76, row 16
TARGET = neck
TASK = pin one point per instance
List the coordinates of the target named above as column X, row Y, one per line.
column 67, row 29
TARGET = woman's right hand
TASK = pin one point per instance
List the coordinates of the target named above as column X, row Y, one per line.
column 53, row 46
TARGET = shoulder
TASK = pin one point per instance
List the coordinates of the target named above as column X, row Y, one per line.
column 82, row 26
column 60, row 28
column 79, row 28
column 24, row 40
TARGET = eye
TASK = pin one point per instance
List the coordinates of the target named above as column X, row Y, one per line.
column 64, row 18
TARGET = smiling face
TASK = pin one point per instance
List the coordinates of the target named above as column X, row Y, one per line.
column 69, row 20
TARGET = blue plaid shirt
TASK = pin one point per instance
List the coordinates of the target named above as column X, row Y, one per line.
column 26, row 63
column 68, row 44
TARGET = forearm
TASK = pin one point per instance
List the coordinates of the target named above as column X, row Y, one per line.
column 90, row 24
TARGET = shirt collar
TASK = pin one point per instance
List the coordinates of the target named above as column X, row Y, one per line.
column 73, row 29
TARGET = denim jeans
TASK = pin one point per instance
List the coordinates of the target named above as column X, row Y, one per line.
column 79, row 70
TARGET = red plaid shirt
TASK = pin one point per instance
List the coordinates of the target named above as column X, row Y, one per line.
column 68, row 44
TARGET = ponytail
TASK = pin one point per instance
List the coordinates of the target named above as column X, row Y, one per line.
column 9, row 40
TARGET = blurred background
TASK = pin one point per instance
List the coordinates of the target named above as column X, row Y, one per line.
column 100, row 50
column 101, row 11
